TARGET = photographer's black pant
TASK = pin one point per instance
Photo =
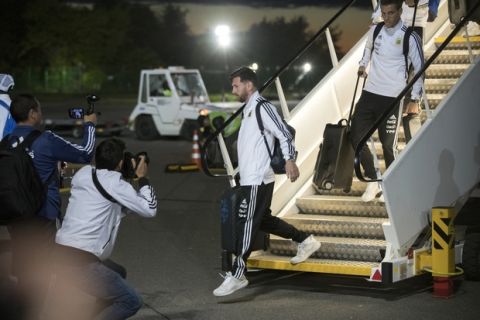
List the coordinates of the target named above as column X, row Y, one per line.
column 254, row 214
column 369, row 108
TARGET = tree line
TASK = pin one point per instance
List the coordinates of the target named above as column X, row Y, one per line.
column 54, row 46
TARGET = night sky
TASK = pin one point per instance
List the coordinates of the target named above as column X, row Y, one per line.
column 204, row 15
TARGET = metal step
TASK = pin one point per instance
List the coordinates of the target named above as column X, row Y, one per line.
column 435, row 99
column 459, row 42
column 335, row 248
column 453, row 56
column 357, row 189
column 343, row 267
column 338, row 226
column 341, row 206
column 446, row 71
column 433, row 86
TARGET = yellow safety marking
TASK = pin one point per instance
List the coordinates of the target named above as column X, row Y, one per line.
column 442, row 233
column 443, row 236
column 332, row 268
column 457, row 39
column 423, row 260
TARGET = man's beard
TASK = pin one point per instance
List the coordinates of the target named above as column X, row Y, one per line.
column 242, row 98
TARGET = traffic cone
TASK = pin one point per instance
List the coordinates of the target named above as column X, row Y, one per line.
column 196, row 150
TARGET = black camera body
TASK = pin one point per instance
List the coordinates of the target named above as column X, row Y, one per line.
column 79, row 113
column 76, row 113
column 128, row 170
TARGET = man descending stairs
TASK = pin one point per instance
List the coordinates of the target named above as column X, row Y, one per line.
column 349, row 229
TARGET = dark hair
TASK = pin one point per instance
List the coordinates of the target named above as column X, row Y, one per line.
column 245, row 74
column 109, row 153
column 397, row 3
column 21, row 106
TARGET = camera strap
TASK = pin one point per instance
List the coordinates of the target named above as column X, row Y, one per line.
column 100, row 189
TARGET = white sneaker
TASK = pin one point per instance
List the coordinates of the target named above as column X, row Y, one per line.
column 381, row 198
column 230, row 285
column 371, row 192
column 306, row 249
column 473, row 29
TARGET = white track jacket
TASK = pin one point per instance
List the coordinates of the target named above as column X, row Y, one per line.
column 91, row 222
column 388, row 74
column 253, row 158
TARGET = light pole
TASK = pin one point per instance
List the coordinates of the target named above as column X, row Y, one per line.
column 222, row 32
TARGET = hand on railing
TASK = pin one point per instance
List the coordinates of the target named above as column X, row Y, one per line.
column 361, row 72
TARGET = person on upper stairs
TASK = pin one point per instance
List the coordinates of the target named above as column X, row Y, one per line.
column 387, row 78
column 427, row 11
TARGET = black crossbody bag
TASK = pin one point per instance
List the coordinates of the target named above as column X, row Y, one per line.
column 99, row 187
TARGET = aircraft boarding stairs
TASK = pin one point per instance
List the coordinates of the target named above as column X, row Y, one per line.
column 351, row 231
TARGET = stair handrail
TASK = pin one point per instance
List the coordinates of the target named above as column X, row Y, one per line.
column 397, row 100
column 269, row 81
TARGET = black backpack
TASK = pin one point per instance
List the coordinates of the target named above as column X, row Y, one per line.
column 277, row 162
column 22, row 192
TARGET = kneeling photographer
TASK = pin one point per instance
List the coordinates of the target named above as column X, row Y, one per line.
column 100, row 198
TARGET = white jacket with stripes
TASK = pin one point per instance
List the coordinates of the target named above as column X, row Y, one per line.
column 253, row 157
column 91, row 222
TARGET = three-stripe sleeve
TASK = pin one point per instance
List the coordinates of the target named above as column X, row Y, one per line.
column 367, row 52
column 143, row 202
column 274, row 124
column 71, row 152
column 415, row 55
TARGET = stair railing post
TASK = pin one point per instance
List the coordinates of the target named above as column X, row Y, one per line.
column 428, row 110
column 469, row 44
column 331, row 48
column 282, row 99
column 227, row 161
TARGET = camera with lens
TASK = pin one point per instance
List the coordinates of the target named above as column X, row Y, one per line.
column 128, row 170
column 79, row 113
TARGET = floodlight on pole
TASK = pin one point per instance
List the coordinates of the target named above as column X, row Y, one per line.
column 222, row 32
column 307, row 67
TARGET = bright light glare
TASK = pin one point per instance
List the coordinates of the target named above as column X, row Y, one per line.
column 307, row 67
column 254, row 66
column 223, row 35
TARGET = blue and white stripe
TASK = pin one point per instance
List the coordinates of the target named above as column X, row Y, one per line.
column 89, row 145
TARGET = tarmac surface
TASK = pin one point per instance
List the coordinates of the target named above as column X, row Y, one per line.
column 173, row 261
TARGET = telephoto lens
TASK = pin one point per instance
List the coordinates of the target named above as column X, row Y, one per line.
column 143, row 153
column 128, row 171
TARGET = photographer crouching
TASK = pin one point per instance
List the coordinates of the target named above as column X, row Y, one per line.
column 99, row 197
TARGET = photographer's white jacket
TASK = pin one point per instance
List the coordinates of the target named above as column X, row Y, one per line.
column 91, row 222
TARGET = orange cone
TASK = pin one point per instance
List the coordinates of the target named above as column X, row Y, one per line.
column 196, row 150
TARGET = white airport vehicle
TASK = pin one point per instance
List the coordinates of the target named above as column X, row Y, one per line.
column 169, row 103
